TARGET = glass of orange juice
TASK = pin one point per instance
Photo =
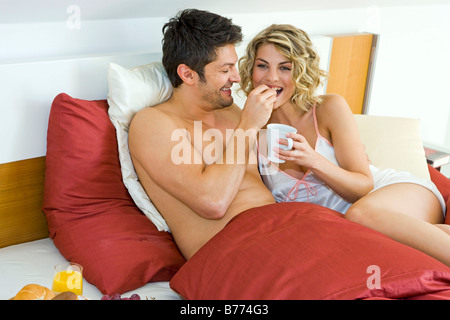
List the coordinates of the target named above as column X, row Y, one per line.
column 68, row 277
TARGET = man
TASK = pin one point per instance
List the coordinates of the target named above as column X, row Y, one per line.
column 199, row 194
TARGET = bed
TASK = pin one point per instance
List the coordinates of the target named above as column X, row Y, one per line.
column 82, row 202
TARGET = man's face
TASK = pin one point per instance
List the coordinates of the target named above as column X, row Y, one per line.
column 219, row 78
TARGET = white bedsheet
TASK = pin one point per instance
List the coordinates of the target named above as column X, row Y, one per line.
column 33, row 262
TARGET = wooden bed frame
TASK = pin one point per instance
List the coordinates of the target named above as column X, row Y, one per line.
column 21, row 192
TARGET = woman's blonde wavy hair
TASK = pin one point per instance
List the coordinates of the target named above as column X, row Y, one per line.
column 295, row 45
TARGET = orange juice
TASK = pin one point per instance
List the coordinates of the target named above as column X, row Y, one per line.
column 68, row 280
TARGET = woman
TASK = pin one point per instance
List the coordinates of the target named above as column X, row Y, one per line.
column 327, row 164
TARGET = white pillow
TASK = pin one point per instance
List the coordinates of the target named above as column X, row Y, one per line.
column 394, row 142
column 131, row 90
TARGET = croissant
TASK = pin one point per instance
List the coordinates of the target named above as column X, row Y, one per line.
column 34, row 292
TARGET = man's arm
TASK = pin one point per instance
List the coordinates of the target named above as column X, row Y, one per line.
column 207, row 189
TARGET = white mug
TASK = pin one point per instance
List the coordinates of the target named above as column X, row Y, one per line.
column 276, row 131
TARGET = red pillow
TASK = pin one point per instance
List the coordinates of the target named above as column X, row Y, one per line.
column 91, row 217
column 443, row 185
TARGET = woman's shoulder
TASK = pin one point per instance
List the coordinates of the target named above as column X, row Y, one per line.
column 332, row 108
column 333, row 100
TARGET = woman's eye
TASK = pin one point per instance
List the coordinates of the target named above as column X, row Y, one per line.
column 261, row 66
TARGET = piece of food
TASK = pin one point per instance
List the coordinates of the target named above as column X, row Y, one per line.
column 34, row 292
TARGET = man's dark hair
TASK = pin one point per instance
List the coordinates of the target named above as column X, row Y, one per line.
column 192, row 38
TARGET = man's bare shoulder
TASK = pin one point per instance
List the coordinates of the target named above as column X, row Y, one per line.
column 150, row 112
column 154, row 117
column 151, row 128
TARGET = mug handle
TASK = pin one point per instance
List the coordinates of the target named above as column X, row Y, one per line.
column 290, row 143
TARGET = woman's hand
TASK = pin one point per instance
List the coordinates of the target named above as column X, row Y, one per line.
column 301, row 153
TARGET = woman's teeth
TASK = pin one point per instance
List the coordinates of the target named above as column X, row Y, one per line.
column 278, row 91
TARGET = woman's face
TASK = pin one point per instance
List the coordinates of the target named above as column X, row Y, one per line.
column 274, row 70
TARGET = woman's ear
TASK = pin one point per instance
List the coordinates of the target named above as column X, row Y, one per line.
column 186, row 74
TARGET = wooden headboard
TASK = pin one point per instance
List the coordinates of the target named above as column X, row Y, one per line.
column 21, row 192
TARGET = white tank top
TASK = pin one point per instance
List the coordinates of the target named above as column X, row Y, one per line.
column 309, row 188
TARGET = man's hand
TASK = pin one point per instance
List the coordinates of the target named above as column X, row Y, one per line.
column 258, row 107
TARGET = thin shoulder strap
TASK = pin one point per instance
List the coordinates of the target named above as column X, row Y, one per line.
column 315, row 120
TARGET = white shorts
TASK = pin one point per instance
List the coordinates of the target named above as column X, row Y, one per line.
column 385, row 177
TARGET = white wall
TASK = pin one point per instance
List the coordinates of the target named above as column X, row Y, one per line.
column 411, row 71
